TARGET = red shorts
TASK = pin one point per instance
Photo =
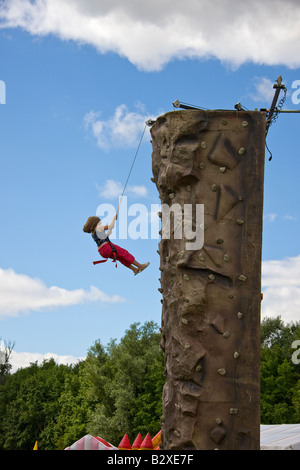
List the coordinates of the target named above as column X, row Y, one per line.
column 122, row 255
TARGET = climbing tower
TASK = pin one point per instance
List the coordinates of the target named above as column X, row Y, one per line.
column 211, row 291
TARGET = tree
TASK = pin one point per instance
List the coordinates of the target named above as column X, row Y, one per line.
column 126, row 383
column 73, row 409
column 280, row 377
column 117, row 389
column 29, row 404
column 5, row 353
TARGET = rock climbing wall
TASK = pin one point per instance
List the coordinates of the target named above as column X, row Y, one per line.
column 211, row 291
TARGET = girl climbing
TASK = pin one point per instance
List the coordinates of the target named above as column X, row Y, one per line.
column 106, row 249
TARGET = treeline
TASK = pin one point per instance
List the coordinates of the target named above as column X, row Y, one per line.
column 280, row 372
column 117, row 389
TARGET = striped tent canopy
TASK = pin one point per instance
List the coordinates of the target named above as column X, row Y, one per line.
column 89, row 442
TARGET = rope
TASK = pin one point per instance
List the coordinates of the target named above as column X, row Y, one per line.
column 132, row 165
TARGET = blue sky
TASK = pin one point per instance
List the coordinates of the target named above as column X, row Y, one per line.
column 74, row 109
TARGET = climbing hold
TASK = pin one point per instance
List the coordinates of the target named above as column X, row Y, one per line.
column 244, row 123
column 240, row 221
column 222, row 169
column 233, row 411
column 242, row 278
column 226, row 258
column 178, row 407
column 211, row 277
column 188, row 188
column 240, row 315
column 226, row 334
column 198, row 368
column 219, row 241
column 202, row 166
column 222, row 371
column 171, row 195
column 201, row 257
column 217, row 435
column 187, row 346
column 236, row 355
column 224, row 121
column 185, row 321
column 203, row 145
column 177, row 433
column 242, row 151
column 214, row 187
column 186, row 277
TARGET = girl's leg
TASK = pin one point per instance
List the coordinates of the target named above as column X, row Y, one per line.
column 135, row 270
column 129, row 261
column 141, row 267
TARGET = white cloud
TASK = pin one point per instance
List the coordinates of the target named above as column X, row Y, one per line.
column 289, row 217
column 281, row 289
column 21, row 293
column 20, row 360
column 150, row 34
column 113, row 189
column 138, row 190
column 264, row 91
column 270, row 217
column 110, row 190
column 124, row 128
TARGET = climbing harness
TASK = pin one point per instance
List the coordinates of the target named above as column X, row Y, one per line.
column 113, row 249
column 114, row 252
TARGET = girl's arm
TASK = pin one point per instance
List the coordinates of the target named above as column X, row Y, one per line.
column 111, row 225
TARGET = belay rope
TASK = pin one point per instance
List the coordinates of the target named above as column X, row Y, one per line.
column 136, row 153
column 113, row 249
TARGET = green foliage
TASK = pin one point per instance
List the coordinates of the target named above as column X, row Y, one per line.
column 280, row 377
column 117, row 389
column 29, row 402
column 127, row 386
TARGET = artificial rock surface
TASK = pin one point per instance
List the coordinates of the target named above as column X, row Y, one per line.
column 212, row 162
